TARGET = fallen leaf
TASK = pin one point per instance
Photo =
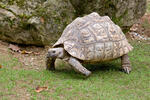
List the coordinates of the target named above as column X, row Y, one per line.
column 36, row 53
column 26, row 52
column 14, row 48
column 39, row 89
column 42, row 20
column 0, row 66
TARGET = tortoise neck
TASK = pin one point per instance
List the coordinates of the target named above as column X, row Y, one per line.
column 61, row 52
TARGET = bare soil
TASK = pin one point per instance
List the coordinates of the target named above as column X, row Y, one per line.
column 34, row 60
column 142, row 27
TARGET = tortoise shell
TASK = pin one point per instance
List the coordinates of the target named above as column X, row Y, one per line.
column 94, row 38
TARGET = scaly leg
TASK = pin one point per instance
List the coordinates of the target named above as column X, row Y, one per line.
column 126, row 66
column 76, row 65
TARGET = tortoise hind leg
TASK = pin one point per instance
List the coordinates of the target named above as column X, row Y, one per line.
column 125, row 62
column 77, row 66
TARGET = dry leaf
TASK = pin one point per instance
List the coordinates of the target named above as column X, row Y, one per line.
column 0, row 66
column 39, row 89
column 26, row 52
column 36, row 53
column 14, row 48
column 42, row 20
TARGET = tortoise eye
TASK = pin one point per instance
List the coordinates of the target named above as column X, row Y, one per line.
column 53, row 51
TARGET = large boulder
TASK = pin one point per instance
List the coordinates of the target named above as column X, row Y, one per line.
column 37, row 22
column 123, row 12
column 41, row 22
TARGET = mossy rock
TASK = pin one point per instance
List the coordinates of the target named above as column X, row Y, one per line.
column 35, row 22
column 123, row 12
column 41, row 22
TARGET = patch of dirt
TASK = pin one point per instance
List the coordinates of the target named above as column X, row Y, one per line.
column 34, row 60
column 3, row 47
column 142, row 27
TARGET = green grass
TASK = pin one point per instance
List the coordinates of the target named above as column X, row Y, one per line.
column 148, row 7
column 105, row 83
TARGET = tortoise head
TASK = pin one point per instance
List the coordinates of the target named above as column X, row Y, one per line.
column 56, row 52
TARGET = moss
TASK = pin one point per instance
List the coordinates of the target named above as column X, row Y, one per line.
column 20, row 3
column 39, row 11
column 11, row 2
column 2, row 5
column 57, row 20
column 9, row 21
column 24, row 16
column 117, row 20
column 54, row 12
column 108, row 4
column 148, row 7
column 146, row 24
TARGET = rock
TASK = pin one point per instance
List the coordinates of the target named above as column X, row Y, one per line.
column 35, row 22
column 40, row 22
column 137, row 36
column 123, row 12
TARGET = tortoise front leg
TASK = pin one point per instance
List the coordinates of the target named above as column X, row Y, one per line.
column 126, row 66
column 76, row 65
column 50, row 63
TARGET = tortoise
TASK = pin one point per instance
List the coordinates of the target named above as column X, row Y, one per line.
column 90, row 39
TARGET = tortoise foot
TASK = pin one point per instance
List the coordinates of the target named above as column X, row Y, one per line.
column 126, row 70
column 88, row 73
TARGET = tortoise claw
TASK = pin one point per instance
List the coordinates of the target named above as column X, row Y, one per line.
column 127, row 70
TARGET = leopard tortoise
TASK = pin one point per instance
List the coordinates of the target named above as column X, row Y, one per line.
column 90, row 39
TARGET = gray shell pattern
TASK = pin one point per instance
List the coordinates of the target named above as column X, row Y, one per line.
column 94, row 38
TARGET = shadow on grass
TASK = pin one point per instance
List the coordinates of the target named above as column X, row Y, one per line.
column 67, row 73
column 104, row 67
